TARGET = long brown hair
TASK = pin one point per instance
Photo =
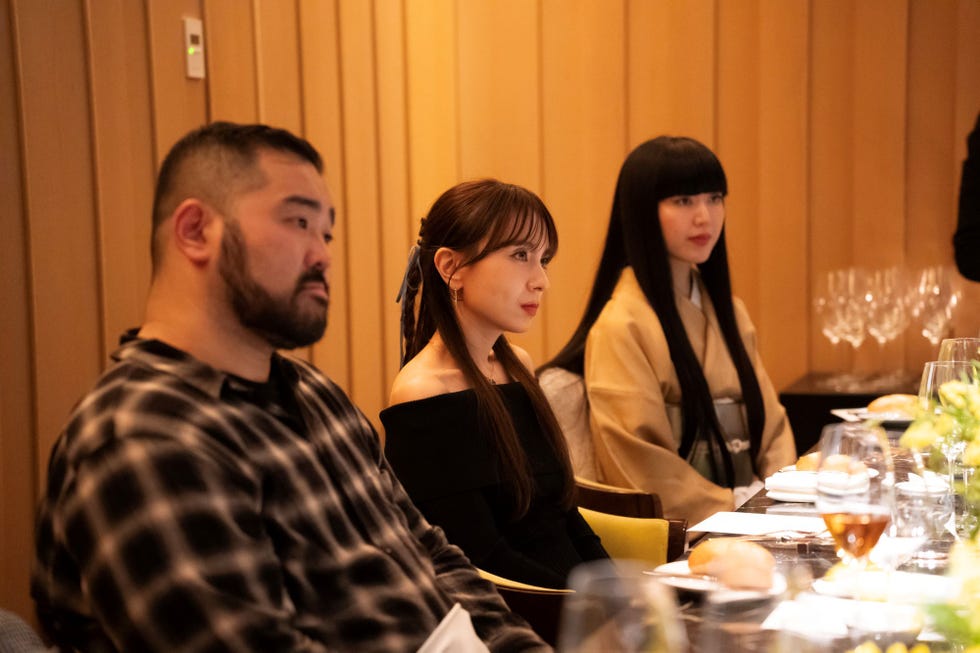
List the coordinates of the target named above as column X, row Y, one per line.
column 498, row 215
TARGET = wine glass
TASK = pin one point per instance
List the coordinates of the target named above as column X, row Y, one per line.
column 852, row 284
column 934, row 375
column 888, row 315
column 855, row 488
column 959, row 349
column 617, row 607
column 934, row 301
column 887, row 304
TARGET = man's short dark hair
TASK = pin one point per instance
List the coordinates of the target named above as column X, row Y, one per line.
column 216, row 162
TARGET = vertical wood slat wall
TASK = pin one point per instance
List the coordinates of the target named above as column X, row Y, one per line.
column 841, row 125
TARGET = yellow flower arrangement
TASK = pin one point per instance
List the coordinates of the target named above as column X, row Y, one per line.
column 955, row 424
column 952, row 425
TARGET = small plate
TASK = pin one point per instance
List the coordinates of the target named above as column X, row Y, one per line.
column 889, row 420
column 899, row 586
column 678, row 575
column 791, row 497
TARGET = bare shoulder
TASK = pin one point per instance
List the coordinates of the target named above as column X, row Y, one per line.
column 524, row 357
column 418, row 380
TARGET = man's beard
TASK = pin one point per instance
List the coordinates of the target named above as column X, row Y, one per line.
column 280, row 322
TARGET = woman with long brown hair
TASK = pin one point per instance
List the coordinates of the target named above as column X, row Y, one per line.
column 469, row 432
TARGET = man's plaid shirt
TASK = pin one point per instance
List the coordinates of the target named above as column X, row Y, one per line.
column 187, row 511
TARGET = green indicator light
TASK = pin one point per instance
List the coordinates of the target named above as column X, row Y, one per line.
column 191, row 50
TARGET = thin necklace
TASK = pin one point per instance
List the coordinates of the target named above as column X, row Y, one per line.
column 490, row 378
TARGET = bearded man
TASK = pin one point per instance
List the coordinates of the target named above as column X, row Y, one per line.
column 210, row 494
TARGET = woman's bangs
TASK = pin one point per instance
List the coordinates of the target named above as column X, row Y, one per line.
column 691, row 175
column 529, row 226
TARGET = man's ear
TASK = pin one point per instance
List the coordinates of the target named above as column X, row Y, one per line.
column 196, row 230
column 447, row 262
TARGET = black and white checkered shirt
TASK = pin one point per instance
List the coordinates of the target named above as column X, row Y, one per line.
column 187, row 510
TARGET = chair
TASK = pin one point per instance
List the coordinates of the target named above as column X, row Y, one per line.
column 630, row 538
column 539, row 606
column 600, row 498
column 566, row 393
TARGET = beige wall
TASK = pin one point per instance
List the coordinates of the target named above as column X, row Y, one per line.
column 841, row 124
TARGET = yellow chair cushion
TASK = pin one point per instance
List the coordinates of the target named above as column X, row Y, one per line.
column 630, row 538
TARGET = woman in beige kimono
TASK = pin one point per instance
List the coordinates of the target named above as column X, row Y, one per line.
column 680, row 403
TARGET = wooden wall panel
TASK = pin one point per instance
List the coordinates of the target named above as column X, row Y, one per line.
column 739, row 142
column 879, row 138
column 500, row 103
column 782, row 181
column 363, row 225
column 62, row 241
column 932, row 178
column 124, row 168
column 229, row 36
column 433, row 111
column 320, row 48
column 179, row 104
column 830, row 178
column 671, row 69
column 277, row 63
column 18, row 478
column 398, row 229
column 583, row 82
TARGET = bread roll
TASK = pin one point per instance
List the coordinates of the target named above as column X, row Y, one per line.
column 809, row 462
column 904, row 405
column 735, row 563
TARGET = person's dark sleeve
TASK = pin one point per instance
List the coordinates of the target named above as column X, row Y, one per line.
column 500, row 629
column 586, row 542
column 966, row 240
column 468, row 520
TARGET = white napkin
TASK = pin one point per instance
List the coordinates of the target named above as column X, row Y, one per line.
column 751, row 523
column 454, row 634
column 793, row 482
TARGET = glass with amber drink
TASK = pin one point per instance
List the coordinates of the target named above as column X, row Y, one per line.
column 855, row 488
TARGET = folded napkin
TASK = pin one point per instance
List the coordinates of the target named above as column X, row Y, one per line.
column 748, row 523
column 801, row 486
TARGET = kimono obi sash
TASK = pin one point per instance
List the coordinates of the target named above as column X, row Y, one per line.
column 735, row 429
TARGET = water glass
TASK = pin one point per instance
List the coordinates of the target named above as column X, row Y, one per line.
column 617, row 607
column 960, row 349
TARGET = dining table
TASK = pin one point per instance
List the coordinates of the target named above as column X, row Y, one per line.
column 757, row 622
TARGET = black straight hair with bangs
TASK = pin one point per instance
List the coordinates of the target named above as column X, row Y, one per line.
column 478, row 218
column 657, row 169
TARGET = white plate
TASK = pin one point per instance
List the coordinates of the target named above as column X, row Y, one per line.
column 894, row 419
column 678, row 575
column 792, row 497
column 899, row 586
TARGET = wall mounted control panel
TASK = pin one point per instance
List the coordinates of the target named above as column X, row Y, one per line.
column 194, row 47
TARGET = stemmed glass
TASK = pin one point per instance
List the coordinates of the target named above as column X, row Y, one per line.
column 839, row 302
column 888, row 315
column 617, row 607
column 934, row 301
column 887, row 305
column 934, row 375
column 959, row 349
column 855, row 488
